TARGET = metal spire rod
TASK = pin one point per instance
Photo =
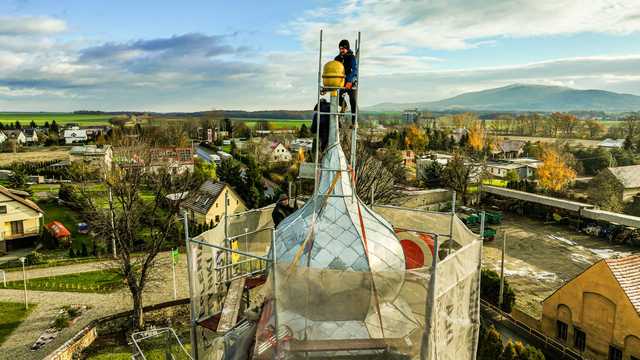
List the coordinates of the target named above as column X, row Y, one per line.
column 317, row 157
column 354, row 130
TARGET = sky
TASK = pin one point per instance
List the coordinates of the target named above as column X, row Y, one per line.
column 194, row 55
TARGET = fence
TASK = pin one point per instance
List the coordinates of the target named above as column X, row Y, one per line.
column 551, row 347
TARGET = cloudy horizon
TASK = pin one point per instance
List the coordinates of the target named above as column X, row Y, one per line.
column 248, row 56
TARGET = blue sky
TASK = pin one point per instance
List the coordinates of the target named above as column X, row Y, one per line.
column 199, row 55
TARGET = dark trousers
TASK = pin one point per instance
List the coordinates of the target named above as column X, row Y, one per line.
column 352, row 101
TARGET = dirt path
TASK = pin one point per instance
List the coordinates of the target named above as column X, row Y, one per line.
column 541, row 257
column 17, row 346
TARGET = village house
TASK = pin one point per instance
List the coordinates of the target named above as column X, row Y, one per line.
column 408, row 157
column 31, row 136
column 626, row 180
column 177, row 160
column 598, row 312
column 3, row 137
column 206, row 205
column 611, row 143
column 100, row 157
column 20, row 218
column 17, row 135
column 306, row 144
column 74, row 134
column 508, row 149
column 278, row 153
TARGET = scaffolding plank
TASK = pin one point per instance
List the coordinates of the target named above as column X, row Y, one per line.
column 231, row 306
column 345, row 345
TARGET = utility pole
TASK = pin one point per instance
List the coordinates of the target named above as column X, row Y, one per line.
column 174, row 255
column 24, row 279
column 504, row 245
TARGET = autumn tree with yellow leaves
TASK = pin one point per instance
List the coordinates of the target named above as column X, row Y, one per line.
column 554, row 174
column 477, row 136
column 415, row 138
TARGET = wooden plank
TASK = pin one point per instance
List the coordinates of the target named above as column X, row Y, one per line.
column 231, row 306
column 345, row 345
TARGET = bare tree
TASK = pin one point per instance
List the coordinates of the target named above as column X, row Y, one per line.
column 380, row 172
column 137, row 216
column 457, row 175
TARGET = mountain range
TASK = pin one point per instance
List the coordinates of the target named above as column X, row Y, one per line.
column 525, row 97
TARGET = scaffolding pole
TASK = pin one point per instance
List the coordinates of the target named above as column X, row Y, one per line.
column 192, row 306
column 317, row 157
column 430, row 304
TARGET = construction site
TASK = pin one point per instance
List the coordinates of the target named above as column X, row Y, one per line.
column 338, row 278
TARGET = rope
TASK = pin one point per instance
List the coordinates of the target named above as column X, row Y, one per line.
column 308, row 242
column 366, row 250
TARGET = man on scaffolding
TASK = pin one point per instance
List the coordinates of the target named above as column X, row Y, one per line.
column 348, row 59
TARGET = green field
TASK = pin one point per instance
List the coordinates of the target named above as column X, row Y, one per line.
column 276, row 123
column 11, row 315
column 60, row 118
column 101, row 281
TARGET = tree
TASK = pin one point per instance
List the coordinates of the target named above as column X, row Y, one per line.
column 54, row 128
column 477, row 136
column 606, row 192
column 377, row 172
column 631, row 125
column 490, row 345
column 430, row 176
column 595, row 128
column 415, row 138
column 554, row 174
column 241, row 130
column 137, row 224
column 457, row 175
column 490, row 290
column 304, row 131
column 18, row 180
column 512, row 175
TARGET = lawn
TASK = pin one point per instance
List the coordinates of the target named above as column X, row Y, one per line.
column 11, row 315
column 70, row 219
column 60, row 118
column 100, row 281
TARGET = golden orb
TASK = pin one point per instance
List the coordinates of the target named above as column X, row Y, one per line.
column 333, row 75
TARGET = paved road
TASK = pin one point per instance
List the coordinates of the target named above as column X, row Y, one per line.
column 18, row 345
column 62, row 270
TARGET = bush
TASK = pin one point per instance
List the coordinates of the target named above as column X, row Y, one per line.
column 35, row 258
column 73, row 312
column 61, row 322
column 490, row 290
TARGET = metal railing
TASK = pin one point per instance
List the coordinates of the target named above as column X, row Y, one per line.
column 547, row 341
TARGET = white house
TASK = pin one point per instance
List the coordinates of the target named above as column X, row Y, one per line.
column 31, row 136
column 17, row 135
column 304, row 143
column 279, row 153
column 3, row 137
column 75, row 134
column 611, row 143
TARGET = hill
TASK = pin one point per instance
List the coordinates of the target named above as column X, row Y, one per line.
column 526, row 97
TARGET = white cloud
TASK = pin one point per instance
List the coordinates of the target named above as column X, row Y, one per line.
column 30, row 25
column 460, row 24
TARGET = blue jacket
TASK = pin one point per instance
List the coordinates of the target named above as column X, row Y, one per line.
column 350, row 66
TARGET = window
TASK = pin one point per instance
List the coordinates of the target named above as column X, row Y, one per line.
column 17, row 227
column 561, row 332
column 217, row 218
column 615, row 353
column 579, row 339
column 3, row 209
